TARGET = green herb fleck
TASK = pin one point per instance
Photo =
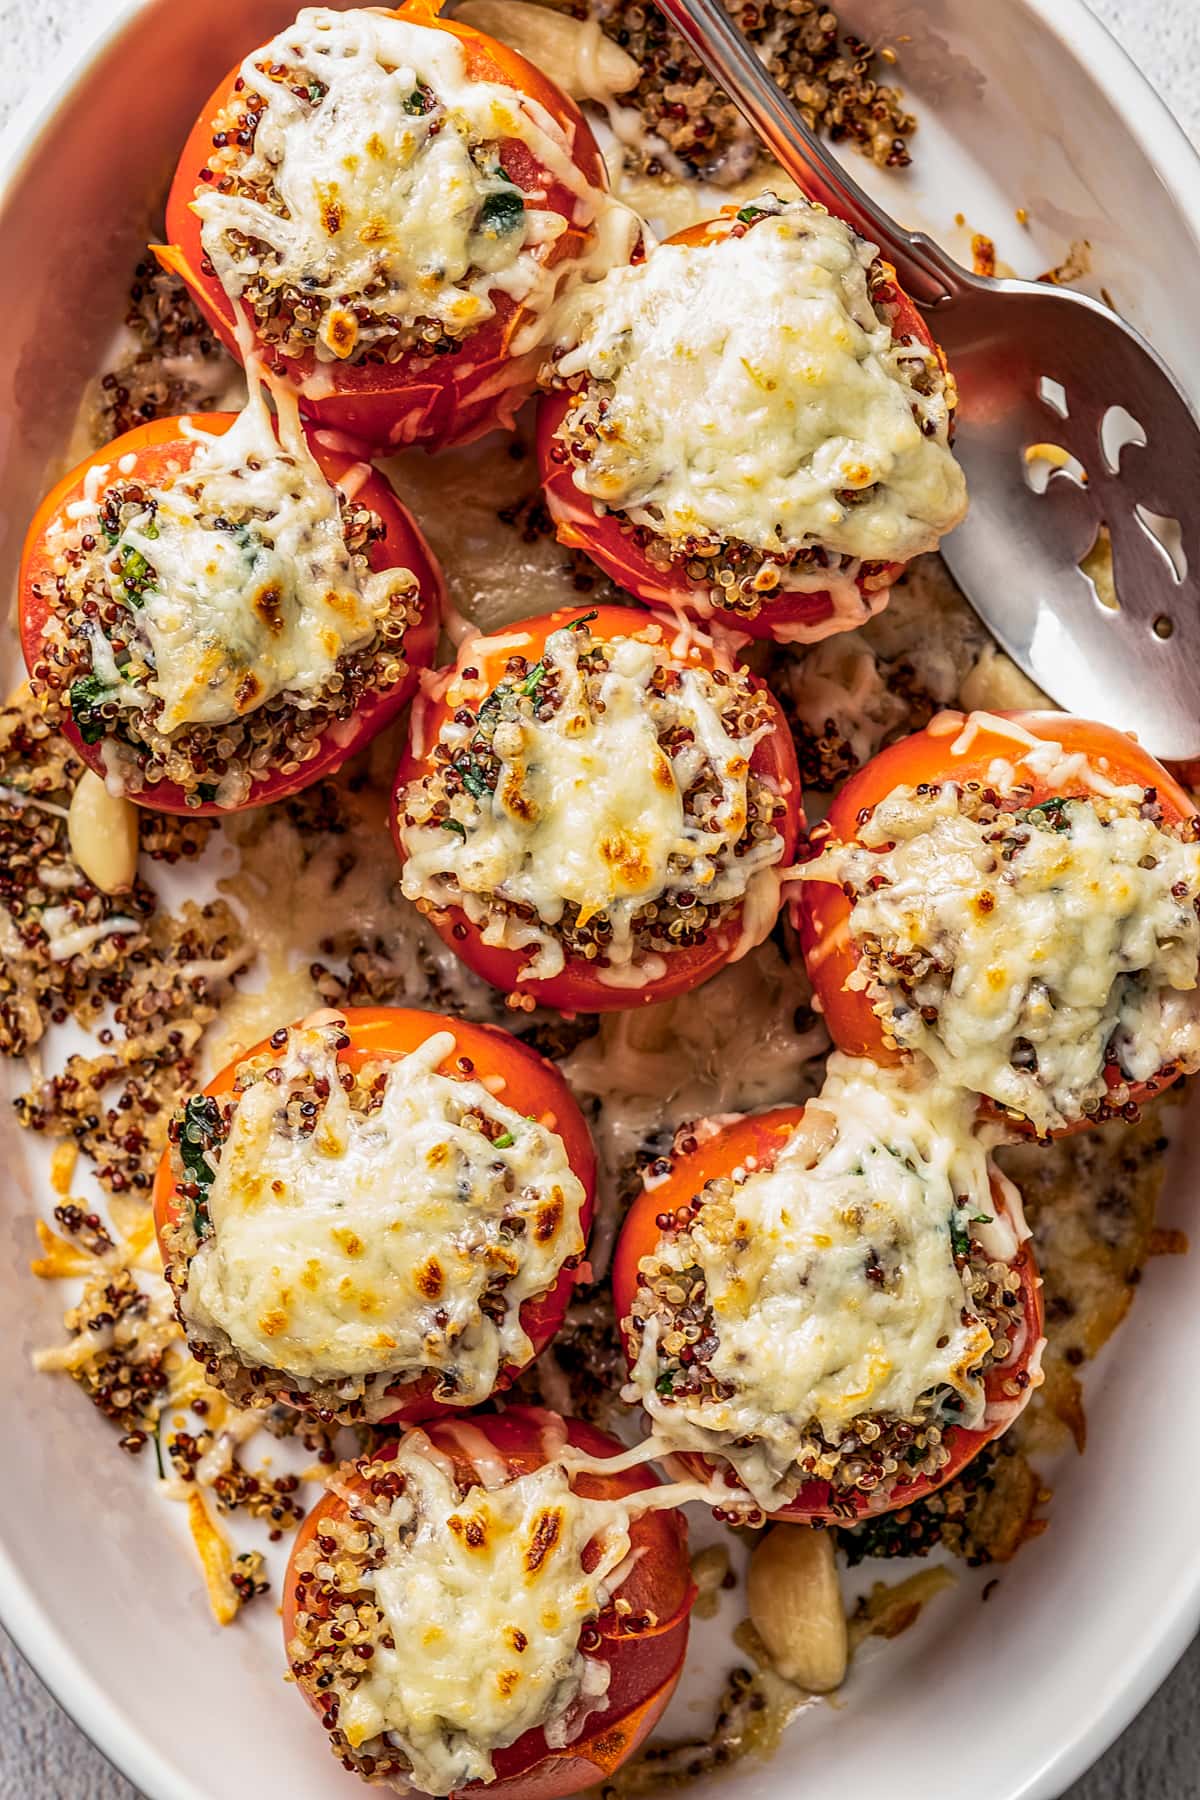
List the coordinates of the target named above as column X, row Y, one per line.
column 1050, row 815
column 199, row 1131
column 501, row 213
column 87, row 696
column 137, row 576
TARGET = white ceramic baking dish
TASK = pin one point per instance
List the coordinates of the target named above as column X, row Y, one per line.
column 1023, row 103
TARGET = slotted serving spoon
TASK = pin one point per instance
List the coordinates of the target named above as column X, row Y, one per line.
column 1041, row 370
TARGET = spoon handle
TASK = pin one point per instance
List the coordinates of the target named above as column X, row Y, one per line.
column 925, row 271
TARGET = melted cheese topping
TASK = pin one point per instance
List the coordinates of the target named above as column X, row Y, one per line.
column 589, row 808
column 406, row 212
column 238, row 613
column 486, row 1596
column 807, row 1339
column 367, row 1245
column 756, row 397
column 1028, row 959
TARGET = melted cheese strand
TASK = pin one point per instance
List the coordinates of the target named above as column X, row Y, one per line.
column 366, row 1246
column 756, row 397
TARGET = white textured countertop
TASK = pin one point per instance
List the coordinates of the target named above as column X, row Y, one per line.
column 42, row 1755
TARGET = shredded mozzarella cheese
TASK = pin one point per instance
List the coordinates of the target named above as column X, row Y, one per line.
column 486, row 1595
column 589, row 809
column 754, row 395
column 1018, row 962
column 881, row 1172
column 230, row 615
column 383, row 154
column 367, row 1245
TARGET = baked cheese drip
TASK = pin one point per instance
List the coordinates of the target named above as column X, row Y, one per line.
column 208, row 626
column 1045, row 956
column 485, row 1597
column 600, row 805
column 829, row 1317
column 750, row 392
column 370, row 210
column 381, row 1225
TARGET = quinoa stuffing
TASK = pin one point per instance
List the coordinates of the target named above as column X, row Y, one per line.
column 875, row 1451
column 431, row 1293
column 286, row 630
column 350, row 277
column 949, row 883
column 490, row 766
column 825, row 499
column 174, row 363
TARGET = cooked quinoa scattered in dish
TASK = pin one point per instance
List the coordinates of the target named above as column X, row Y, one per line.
column 840, row 83
column 656, row 756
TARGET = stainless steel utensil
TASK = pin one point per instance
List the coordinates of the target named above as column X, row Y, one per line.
column 1072, row 431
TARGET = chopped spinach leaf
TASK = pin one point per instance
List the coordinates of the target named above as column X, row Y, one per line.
column 455, row 826
column 960, row 1241
column 199, row 1131
column 501, row 213
column 87, row 696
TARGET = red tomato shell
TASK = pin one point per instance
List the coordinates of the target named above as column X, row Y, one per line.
column 532, row 1085
column 160, row 451
column 437, row 400
column 577, row 987
column 821, row 911
column 609, row 541
column 644, row 1669
column 761, row 1136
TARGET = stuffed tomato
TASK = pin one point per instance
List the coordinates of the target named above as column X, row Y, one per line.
column 384, row 203
column 831, row 1308
column 375, row 1214
column 595, row 812
column 1015, row 899
column 751, row 425
column 220, row 610
column 518, row 1624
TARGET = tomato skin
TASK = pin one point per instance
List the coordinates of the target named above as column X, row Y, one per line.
column 436, row 401
column 610, row 543
column 644, row 1669
column 160, row 451
column 821, row 912
column 577, row 988
column 762, row 1136
column 533, row 1085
